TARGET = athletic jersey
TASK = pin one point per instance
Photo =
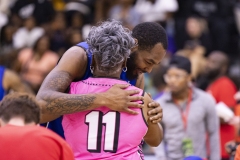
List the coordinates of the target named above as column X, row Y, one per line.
column 55, row 125
column 2, row 91
column 103, row 133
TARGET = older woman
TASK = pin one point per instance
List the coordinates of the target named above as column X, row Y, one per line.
column 103, row 133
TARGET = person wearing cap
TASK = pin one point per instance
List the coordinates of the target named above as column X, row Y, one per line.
column 189, row 117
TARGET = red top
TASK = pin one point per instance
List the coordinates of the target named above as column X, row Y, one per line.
column 32, row 142
column 223, row 90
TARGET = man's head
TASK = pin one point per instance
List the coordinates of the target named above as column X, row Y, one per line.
column 111, row 45
column 178, row 75
column 152, row 46
column 217, row 65
column 19, row 107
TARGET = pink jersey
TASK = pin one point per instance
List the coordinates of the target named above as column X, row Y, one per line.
column 102, row 133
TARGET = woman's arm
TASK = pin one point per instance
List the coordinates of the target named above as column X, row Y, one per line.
column 154, row 134
column 155, row 109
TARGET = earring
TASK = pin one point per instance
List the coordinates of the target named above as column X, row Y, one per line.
column 91, row 68
column 124, row 69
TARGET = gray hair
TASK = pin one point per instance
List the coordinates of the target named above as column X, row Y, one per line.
column 110, row 44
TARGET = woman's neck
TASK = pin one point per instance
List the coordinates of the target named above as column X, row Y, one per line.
column 107, row 74
column 101, row 75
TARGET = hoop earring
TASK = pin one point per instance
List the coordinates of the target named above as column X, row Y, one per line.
column 91, row 68
column 124, row 69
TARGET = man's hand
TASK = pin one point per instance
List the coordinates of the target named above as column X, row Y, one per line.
column 119, row 99
column 155, row 114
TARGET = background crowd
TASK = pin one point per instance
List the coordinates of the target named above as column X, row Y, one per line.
column 35, row 33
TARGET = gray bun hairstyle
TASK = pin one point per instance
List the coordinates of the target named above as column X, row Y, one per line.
column 110, row 44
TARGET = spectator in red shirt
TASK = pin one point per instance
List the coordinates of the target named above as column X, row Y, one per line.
column 21, row 138
column 223, row 90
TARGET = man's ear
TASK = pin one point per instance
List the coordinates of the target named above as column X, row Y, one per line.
column 135, row 47
column 136, row 42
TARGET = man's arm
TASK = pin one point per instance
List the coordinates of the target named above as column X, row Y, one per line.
column 212, row 123
column 11, row 81
column 54, row 102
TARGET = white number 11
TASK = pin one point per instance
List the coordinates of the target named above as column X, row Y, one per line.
column 95, row 121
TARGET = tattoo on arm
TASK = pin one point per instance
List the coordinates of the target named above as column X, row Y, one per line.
column 68, row 104
column 61, row 103
column 58, row 81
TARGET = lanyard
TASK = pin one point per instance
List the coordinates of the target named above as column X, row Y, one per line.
column 185, row 113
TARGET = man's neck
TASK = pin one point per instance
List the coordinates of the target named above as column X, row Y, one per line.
column 183, row 95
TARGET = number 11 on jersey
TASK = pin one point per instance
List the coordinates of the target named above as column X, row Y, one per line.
column 95, row 121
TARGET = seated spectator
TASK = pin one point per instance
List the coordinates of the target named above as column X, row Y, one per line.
column 10, row 81
column 35, row 63
column 28, row 34
column 21, row 138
